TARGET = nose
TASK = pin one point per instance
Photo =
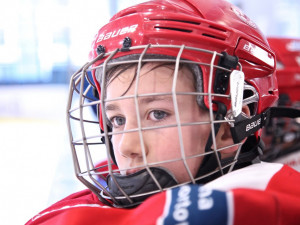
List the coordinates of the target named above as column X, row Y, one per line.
column 130, row 145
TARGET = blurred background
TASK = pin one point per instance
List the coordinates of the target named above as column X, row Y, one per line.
column 41, row 44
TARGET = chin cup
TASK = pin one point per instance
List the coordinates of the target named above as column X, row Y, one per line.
column 138, row 186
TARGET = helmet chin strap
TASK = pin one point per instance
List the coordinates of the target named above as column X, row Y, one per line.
column 210, row 161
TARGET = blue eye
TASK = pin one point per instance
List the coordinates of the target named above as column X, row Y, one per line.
column 118, row 121
column 158, row 115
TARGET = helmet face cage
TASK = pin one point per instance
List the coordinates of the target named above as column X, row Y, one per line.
column 94, row 162
column 235, row 68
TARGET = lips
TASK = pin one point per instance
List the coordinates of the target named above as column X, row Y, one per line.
column 131, row 171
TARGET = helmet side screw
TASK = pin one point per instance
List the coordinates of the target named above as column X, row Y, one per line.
column 100, row 49
column 126, row 44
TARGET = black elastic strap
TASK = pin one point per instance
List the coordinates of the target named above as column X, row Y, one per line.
column 112, row 154
column 248, row 127
column 220, row 114
column 284, row 112
column 210, row 162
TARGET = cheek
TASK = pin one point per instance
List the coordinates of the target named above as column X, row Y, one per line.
column 194, row 140
column 115, row 140
column 163, row 144
column 167, row 147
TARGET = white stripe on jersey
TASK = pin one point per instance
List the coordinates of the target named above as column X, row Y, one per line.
column 256, row 176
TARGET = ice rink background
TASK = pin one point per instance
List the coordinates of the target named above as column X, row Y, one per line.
column 36, row 164
column 35, row 158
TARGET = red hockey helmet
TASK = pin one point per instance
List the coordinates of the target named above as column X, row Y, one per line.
column 234, row 62
column 215, row 26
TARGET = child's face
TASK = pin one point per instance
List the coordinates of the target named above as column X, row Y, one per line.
column 161, row 144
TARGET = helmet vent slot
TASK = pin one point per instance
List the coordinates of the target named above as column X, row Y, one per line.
column 173, row 28
column 180, row 21
column 217, row 28
column 213, row 36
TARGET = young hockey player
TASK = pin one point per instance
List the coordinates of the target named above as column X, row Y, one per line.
column 182, row 88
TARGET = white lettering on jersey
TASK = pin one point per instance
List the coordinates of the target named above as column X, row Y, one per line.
column 204, row 200
column 181, row 213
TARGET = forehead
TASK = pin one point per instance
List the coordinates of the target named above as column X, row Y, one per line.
column 152, row 78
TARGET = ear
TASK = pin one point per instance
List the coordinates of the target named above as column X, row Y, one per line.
column 224, row 137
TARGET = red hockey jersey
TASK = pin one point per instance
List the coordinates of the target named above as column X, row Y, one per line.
column 264, row 193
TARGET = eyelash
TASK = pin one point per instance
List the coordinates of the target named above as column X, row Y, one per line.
column 113, row 123
column 159, row 111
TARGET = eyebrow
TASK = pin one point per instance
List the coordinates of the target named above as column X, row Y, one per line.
column 143, row 100
column 111, row 107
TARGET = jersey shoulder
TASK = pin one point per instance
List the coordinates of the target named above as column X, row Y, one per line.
column 256, row 176
column 78, row 199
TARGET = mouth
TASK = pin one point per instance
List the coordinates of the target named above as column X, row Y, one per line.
column 133, row 170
